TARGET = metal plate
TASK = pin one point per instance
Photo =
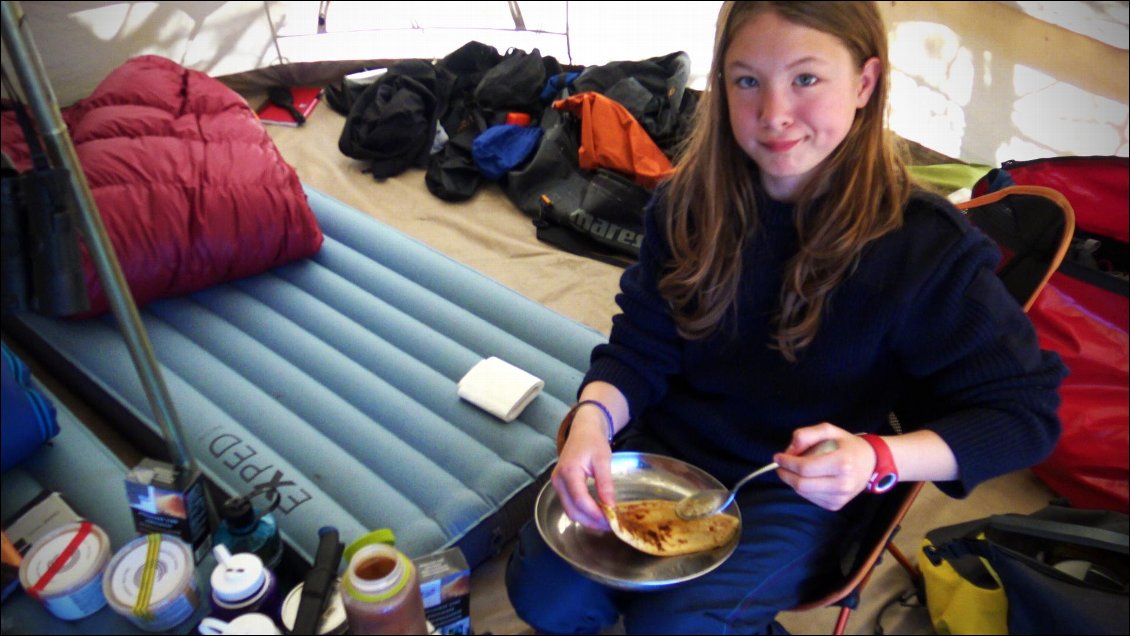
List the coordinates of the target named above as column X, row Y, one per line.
column 604, row 558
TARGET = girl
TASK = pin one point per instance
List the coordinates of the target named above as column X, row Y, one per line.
column 793, row 287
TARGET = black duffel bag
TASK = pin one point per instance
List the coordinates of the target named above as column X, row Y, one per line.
column 1063, row 570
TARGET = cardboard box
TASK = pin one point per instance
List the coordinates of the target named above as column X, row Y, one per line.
column 445, row 583
column 165, row 499
column 41, row 515
column 46, row 512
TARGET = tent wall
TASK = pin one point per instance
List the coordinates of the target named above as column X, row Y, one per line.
column 981, row 81
column 986, row 82
column 81, row 42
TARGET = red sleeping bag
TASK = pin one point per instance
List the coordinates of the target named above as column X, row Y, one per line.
column 1082, row 315
column 191, row 188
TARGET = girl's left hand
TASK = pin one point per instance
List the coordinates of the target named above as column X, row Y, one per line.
column 831, row 480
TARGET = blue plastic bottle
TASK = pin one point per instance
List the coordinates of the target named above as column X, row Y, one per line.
column 242, row 530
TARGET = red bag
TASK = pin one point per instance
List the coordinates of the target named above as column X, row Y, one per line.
column 1082, row 314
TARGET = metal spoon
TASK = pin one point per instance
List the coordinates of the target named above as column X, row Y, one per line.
column 710, row 502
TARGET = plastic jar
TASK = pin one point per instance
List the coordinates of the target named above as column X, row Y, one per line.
column 72, row 589
column 152, row 582
column 381, row 593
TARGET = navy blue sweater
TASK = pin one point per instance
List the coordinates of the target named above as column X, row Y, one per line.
column 922, row 327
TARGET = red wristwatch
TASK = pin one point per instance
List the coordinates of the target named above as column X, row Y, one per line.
column 885, row 475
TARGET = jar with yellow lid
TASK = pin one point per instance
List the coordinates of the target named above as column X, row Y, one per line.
column 381, row 592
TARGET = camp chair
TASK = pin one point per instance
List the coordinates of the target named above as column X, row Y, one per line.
column 1033, row 227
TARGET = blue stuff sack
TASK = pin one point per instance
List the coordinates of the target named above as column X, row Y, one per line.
column 28, row 416
column 499, row 149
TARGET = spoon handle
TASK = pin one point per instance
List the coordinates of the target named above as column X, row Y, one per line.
column 823, row 448
column 757, row 473
column 686, row 510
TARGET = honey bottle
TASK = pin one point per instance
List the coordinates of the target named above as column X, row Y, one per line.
column 381, row 592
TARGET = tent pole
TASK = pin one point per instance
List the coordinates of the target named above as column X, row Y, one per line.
column 29, row 67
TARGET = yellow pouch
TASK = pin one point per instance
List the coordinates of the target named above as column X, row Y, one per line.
column 971, row 601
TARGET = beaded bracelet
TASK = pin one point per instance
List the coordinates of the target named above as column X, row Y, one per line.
column 567, row 422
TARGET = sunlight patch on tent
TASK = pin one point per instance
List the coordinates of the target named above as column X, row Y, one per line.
column 1065, row 118
column 932, row 82
column 115, row 20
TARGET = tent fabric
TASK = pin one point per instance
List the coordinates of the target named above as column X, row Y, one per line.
column 183, row 175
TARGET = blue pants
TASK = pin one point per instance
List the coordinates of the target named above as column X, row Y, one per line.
column 786, row 543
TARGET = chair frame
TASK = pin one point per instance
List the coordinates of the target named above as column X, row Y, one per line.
column 898, row 502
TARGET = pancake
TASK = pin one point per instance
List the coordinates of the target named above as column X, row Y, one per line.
column 653, row 526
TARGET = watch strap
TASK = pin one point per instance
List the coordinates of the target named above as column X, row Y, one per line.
column 886, row 474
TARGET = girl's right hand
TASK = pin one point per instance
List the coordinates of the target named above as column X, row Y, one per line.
column 586, row 454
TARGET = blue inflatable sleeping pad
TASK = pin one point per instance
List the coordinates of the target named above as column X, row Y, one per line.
column 339, row 373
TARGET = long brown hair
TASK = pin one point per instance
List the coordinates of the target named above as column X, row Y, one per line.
column 863, row 186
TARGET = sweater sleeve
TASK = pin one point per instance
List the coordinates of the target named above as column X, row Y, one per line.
column 977, row 375
column 643, row 349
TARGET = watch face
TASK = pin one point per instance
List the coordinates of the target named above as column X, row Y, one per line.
column 884, row 483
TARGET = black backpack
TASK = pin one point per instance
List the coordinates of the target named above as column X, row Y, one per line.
column 488, row 86
column 653, row 90
column 392, row 124
column 452, row 175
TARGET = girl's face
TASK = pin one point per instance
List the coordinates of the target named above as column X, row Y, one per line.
column 793, row 92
